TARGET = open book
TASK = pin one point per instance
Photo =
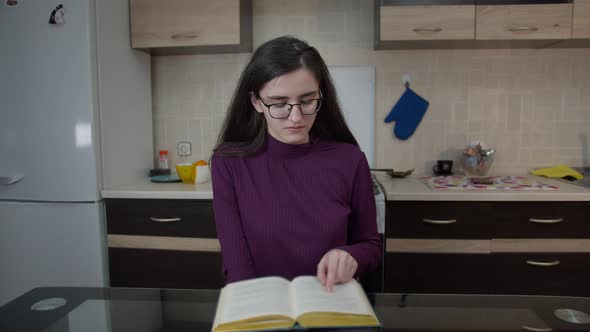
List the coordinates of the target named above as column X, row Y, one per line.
column 273, row 303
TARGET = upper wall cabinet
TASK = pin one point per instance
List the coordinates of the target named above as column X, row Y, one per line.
column 444, row 22
column 507, row 20
column 191, row 26
column 581, row 27
column 430, row 24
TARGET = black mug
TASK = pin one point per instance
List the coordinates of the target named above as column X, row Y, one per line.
column 443, row 167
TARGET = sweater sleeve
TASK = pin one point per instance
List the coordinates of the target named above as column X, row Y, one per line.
column 364, row 242
column 236, row 260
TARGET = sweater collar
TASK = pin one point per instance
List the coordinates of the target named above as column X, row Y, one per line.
column 277, row 148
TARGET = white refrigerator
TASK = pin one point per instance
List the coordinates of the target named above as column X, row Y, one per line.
column 73, row 98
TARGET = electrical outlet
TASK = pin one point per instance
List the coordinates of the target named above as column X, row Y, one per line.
column 184, row 149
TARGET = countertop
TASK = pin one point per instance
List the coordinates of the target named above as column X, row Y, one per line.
column 145, row 309
column 151, row 190
column 412, row 189
column 406, row 189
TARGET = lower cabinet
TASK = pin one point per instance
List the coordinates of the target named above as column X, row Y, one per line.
column 437, row 273
column 163, row 243
column 560, row 274
column 564, row 274
column 496, row 247
column 152, row 268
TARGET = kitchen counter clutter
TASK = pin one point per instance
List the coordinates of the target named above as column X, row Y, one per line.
column 413, row 189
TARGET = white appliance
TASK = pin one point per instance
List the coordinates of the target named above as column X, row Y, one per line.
column 74, row 98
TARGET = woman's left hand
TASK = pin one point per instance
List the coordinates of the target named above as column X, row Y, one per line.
column 337, row 266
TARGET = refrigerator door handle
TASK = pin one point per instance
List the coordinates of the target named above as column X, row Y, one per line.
column 7, row 180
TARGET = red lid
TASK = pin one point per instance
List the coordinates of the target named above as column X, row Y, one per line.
column 163, row 152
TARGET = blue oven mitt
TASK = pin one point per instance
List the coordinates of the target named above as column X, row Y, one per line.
column 407, row 114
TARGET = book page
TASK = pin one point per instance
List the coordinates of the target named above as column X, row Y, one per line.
column 310, row 296
column 254, row 298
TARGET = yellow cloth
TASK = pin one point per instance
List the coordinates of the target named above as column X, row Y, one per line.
column 558, row 171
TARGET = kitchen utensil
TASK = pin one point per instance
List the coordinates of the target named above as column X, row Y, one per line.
column 407, row 114
column 393, row 173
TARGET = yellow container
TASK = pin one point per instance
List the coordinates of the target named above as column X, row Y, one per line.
column 186, row 173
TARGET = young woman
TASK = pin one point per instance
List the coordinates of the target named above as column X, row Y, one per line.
column 292, row 191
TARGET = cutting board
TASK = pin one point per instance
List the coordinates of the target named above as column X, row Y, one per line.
column 355, row 86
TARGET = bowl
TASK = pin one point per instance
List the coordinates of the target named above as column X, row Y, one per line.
column 477, row 165
column 186, row 172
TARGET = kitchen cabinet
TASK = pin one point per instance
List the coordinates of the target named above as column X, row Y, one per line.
column 581, row 24
column 163, row 243
column 191, row 26
column 427, row 22
column 495, row 247
column 526, row 21
column 437, row 273
column 472, row 24
column 541, row 273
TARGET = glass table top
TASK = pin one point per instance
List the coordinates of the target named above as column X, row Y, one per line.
column 129, row 309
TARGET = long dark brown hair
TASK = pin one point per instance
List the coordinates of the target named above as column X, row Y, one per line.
column 244, row 130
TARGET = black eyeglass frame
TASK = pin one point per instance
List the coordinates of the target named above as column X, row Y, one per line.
column 268, row 106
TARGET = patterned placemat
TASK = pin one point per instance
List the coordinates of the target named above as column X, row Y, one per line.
column 500, row 183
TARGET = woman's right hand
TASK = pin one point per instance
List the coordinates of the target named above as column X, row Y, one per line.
column 337, row 266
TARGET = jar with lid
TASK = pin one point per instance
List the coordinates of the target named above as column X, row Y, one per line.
column 163, row 160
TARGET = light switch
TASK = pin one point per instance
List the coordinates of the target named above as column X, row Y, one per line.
column 184, row 149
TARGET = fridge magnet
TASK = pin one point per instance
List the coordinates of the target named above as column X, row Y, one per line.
column 11, row 3
column 57, row 15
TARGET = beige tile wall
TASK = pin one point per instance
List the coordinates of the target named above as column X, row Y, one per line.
column 533, row 106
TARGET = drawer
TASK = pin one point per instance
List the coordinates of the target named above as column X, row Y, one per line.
column 437, row 273
column 565, row 274
column 581, row 25
column 427, row 22
column 541, row 220
column 528, row 21
column 151, row 268
column 438, row 220
column 161, row 217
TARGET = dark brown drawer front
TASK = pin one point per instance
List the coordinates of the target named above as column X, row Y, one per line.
column 437, row 273
column 184, row 218
column 439, row 220
column 513, row 275
column 541, row 220
column 165, row 269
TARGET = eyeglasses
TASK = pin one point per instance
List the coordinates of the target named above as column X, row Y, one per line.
column 283, row 110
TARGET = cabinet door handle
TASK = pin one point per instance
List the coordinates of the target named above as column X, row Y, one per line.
column 164, row 220
column 11, row 179
column 546, row 221
column 519, row 29
column 537, row 329
column 433, row 30
column 439, row 222
column 184, row 36
column 537, row 263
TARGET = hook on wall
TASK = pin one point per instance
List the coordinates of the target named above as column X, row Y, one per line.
column 406, row 79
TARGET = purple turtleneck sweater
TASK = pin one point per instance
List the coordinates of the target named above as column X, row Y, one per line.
column 279, row 211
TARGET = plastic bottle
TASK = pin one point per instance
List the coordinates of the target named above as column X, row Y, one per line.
column 163, row 160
